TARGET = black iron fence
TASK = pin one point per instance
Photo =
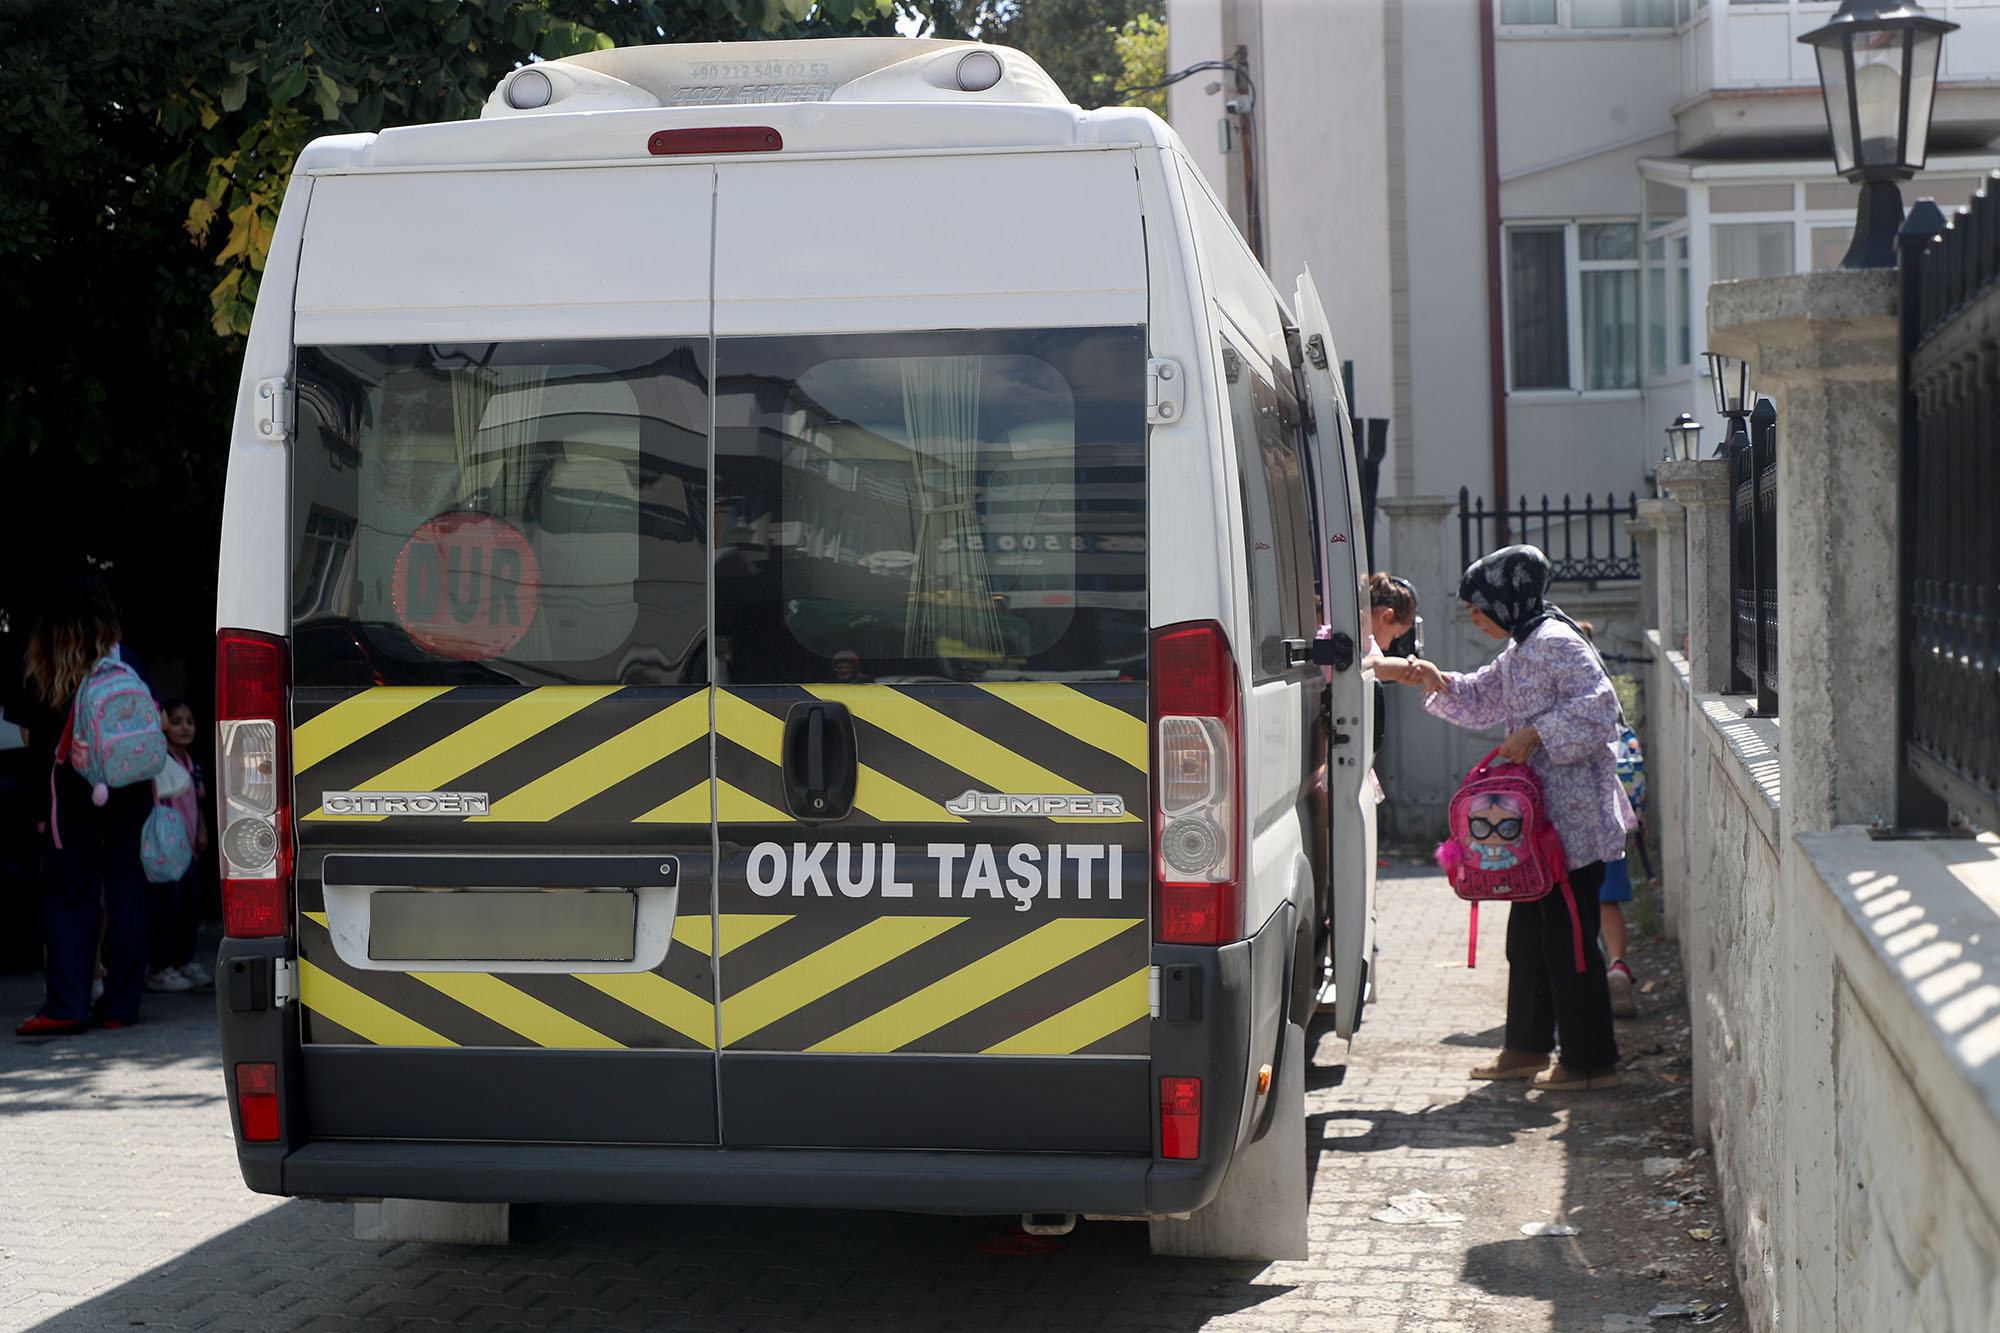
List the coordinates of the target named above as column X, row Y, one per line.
column 1608, row 551
column 1949, row 700
column 1753, row 557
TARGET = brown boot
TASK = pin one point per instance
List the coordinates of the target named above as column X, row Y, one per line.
column 1511, row 1064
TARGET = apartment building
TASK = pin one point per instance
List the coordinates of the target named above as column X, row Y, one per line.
column 1514, row 209
column 1635, row 151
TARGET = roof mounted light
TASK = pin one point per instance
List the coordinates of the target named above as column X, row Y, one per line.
column 978, row 71
column 529, row 89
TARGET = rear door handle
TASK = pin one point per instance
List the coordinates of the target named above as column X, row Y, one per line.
column 820, row 760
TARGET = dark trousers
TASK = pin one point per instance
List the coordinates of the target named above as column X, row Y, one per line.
column 95, row 870
column 1546, row 996
column 176, row 919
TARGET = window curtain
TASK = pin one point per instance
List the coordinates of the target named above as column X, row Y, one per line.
column 951, row 597
column 496, row 459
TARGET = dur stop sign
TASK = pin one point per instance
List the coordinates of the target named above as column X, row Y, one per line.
column 466, row 585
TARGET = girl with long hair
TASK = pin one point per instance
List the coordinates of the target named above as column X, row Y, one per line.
column 90, row 854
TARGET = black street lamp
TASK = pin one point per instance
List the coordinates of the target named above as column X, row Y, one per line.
column 1684, row 438
column 1729, row 377
column 1878, row 63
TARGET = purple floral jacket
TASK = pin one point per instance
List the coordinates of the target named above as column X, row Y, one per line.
column 1554, row 683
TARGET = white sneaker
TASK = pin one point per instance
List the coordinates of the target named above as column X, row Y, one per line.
column 196, row 974
column 168, row 979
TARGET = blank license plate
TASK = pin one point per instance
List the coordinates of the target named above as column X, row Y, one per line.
column 502, row 926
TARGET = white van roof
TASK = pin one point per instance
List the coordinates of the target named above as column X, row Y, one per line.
column 839, row 69
column 831, row 95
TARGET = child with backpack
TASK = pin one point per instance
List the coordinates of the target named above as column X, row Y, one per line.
column 177, row 901
column 90, row 712
column 1548, row 689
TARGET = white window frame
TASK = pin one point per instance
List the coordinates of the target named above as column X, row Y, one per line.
column 1680, row 299
column 1563, row 24
column 1574, row 266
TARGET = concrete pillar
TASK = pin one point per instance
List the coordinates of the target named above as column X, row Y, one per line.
column 1823, row 347
column 1702, row 488
column 1640, row 530
column 1665, row 544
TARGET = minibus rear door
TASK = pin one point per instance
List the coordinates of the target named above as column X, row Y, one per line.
column 1351, row 793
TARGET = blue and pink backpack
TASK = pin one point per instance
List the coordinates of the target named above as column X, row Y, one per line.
column 1502, row 847
column 113, row 737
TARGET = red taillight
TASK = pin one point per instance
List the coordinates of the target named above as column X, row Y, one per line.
column 254, row 908
column 715, row 139
column 1180, row 1117
column 257, row 1102
column 1193, row 671
column 1197, row 913
column 1197, row 881
column 254, row 789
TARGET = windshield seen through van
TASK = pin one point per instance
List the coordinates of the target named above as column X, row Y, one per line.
column 935, row 506
column 943, row 506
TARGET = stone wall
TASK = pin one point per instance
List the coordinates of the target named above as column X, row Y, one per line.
column 1844, row 988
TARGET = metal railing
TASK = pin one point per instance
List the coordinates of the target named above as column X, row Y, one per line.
column 1948, row 701
column 1753, row 557
column 1557, row 529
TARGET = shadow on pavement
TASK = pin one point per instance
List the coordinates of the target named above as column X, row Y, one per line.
column 1486, row 1117
column 686, row 1269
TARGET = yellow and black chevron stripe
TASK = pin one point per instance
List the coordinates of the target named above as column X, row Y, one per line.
column 923, row 745
column 669, row 1008
column 560, row 753
column 640, row 755
column 809, row 975
column 1068, row 986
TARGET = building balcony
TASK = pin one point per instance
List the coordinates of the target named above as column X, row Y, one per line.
column 1749, row 88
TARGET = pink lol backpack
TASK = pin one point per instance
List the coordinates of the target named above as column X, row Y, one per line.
column 1502, row 846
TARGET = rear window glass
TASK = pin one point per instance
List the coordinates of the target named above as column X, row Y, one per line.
column 938, row 506
column 482, row 512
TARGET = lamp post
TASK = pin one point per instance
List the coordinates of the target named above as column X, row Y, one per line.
column 1729, row 377
column 1684, row 438
column 1878, row 63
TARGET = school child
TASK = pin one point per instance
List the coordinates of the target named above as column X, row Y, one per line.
column 177, row 906
column 90, row 851
column 1617, row 889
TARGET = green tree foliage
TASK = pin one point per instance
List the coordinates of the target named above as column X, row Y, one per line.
column 1142, row 60
column 263, row 79
column 145, row 149
column 1076, row 41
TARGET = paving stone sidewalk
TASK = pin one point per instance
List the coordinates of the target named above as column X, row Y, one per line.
column 120, row 1206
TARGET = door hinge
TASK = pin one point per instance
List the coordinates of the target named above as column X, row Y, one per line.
column 274, row 410
column 1316, row 351
column 1153, row 991
column 284, row 981
column 1165, row 392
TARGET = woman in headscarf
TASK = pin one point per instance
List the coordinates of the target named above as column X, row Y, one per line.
column 1548, row 689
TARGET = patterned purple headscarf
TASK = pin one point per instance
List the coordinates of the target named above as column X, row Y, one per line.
column 1508, row 586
